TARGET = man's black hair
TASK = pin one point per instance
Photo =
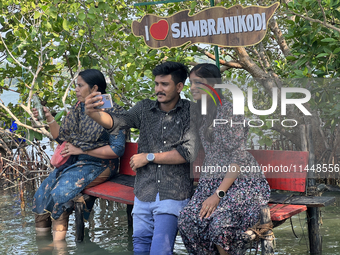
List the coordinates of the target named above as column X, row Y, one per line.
column 94, row 77
column 178, row 71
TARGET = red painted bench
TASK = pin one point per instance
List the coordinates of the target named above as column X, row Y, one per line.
column 114, row 191
column 288, row 173
column 278, row 179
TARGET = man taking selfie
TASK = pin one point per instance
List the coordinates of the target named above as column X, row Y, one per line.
column 167, row 145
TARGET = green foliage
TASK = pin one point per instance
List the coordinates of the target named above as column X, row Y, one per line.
column 51, row 35
column 314, row 45
column 316, row 55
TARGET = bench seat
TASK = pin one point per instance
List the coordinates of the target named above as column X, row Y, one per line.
column 112, row 191
column 120, row 188
column 124, row 194
column 279, row 212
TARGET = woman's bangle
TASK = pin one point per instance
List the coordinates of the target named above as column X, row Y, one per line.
column 49, row 123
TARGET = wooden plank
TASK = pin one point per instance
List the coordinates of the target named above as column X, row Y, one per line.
column 130, row 150
column 309, row 201
column 282, row 211
column 284, row 170
column 112, row 191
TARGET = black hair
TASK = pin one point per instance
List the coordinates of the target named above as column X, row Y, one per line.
column 178, row 71
column 213, row 76
column 94, row 77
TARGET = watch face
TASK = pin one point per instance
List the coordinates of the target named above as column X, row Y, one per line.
column 221, row 193
column 150, row 157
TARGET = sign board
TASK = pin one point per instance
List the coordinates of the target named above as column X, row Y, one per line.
column 228, row 27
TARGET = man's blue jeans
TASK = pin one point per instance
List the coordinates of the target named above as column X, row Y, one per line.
column 155, row 225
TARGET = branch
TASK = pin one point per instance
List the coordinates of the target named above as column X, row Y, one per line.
column 40, row 66
column 223, row 68
column 272, row 24
column 316, row 21
column 268, row 81
column 279, row 37
column 230, row 64
column 21, row 65
column 263, row 56
column 335, row 144
column 111, row 68
column 249, row 65
column 18, row 122
column 32, row 86
column 35, row 75
column 69, row 65
column 227, row 64
column 255, row 52
column 323, row 12
column 73, row 79
column 290, row 136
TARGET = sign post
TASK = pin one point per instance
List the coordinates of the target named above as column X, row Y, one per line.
column 217, row 56
column 236, row 26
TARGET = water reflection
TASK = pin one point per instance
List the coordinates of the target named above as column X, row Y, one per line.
column 107, row 231
column 46, row 246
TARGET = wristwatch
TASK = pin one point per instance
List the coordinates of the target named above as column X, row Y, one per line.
column 150, row 157
column 220, row 193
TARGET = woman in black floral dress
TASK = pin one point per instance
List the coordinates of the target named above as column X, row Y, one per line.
column 228, row 198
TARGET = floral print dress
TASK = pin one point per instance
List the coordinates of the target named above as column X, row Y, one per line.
column 240, row 208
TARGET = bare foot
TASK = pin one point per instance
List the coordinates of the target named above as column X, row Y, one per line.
column 221, row 250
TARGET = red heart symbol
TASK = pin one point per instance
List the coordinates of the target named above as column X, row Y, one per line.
column 159, row 30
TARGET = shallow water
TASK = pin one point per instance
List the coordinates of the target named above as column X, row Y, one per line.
column 107, row 231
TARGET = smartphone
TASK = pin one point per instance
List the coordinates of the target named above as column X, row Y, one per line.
column 107, row 101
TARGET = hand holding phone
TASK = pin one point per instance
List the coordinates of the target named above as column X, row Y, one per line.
column 106, row 98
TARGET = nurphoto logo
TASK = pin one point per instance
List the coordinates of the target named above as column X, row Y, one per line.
column 238, row 104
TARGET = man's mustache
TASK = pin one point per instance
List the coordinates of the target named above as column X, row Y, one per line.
column 160, row 93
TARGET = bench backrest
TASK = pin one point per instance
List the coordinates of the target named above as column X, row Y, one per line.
column 124, row 167
column 284, row 170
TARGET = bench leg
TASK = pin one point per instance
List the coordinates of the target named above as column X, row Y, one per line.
column 267, row 247
column 129, row 216
column 314, row 230
column 79, row 221
column 79, row 202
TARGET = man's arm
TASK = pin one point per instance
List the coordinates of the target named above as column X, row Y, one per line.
column 102, row 118
column 167, row 158
column 113, row 122
column 190, row 145
column 186, row 152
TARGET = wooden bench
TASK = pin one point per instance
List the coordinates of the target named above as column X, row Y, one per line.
column 280, row 180
column 120, row 188
column 287, row 172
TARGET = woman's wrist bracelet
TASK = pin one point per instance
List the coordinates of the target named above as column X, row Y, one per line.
column 49, row 123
